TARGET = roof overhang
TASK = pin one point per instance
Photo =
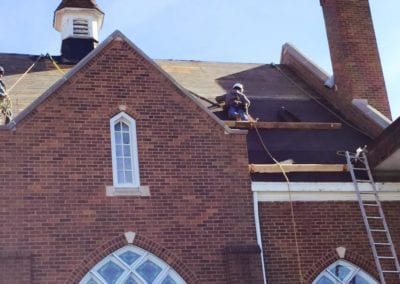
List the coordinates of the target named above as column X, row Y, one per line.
column 384, row 151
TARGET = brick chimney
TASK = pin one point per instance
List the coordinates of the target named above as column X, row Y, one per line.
column 354, row 53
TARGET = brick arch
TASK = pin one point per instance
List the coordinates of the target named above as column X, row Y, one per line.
column 332, row 256
column 140, row 241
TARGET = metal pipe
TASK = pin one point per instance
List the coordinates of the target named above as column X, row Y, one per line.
column 258, row 234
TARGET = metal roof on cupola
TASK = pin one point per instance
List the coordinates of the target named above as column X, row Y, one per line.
column 89, row 4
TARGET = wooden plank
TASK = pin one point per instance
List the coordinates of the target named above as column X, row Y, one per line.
column 274, row 168
column 283, row 125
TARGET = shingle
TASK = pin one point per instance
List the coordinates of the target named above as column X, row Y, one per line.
column 40, row 78
column 211, row 79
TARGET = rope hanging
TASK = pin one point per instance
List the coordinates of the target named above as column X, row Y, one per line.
column 26, row 72
column 6, row 103
column 55, row 63
column 290, row 200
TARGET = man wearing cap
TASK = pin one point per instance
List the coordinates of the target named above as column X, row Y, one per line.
column 2, row 85
column 237, row 103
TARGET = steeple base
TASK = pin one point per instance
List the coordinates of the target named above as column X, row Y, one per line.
column 74, row 49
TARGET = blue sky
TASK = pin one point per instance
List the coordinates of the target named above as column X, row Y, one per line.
column 210, row 30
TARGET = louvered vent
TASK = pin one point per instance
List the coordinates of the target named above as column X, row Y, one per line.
column 81, row 27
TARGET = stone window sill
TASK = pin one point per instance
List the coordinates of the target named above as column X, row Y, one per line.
column 127, row 191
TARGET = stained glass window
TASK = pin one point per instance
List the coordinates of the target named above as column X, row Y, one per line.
column 110, row 272
column 149, row 271
column 343, row 272
column 132, row 265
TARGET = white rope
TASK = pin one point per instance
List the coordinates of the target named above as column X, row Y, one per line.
column 23, row 75
column 290, row 201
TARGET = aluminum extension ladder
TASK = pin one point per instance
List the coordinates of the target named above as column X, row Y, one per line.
column 374, row 219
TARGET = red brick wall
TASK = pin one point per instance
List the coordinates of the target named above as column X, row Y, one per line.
column 321, row 228
column 354, row 52
column 15, row 268
column 56, row 164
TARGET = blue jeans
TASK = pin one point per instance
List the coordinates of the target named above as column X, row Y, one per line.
column 236, row 112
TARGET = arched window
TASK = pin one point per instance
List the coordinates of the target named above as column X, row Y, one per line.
column 124, row 151
column 343, row 272
column 132, row 265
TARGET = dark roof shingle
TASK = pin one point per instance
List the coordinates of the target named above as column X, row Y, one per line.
column 90, row 4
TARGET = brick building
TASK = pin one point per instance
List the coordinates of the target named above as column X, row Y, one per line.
column 102, row 183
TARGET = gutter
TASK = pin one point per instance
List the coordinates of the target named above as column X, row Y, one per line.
column 258, row 233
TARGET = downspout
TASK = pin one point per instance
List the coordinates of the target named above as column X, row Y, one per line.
column 258, row 233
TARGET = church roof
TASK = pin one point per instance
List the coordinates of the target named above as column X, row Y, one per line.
column 270, row 88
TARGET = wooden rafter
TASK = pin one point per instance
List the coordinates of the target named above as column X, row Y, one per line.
column 283, row 125
column 274, row 168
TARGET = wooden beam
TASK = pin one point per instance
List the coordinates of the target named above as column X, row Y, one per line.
column 274, row 168
column 283, row 125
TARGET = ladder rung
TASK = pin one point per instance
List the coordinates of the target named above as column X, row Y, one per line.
column 360, row 169
column 371, row 204
column 370, row 198
column 374, row 217
column 362, row 180
column 378, row 230
column 356, row 157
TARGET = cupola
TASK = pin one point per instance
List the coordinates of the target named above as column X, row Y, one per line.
column 79, row 22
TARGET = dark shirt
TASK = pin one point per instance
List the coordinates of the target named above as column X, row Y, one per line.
column 236, row 99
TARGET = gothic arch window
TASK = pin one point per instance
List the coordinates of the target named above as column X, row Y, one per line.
column 132, row 265
column 344, row 272
column 124, row 151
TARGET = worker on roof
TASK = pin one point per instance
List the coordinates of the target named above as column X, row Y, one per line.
column 2, row 85
column 5, row 102
column 236, row 103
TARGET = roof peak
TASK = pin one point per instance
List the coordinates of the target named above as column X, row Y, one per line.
column 89, row 4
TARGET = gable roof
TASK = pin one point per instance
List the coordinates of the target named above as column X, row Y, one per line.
column 271, row 88
column 89, row 4
column 62, row 79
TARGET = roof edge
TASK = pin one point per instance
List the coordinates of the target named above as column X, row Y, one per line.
column 385, row 145
column 315, row 77
column 371, row 112
column 289, row 50
column 114, row 36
